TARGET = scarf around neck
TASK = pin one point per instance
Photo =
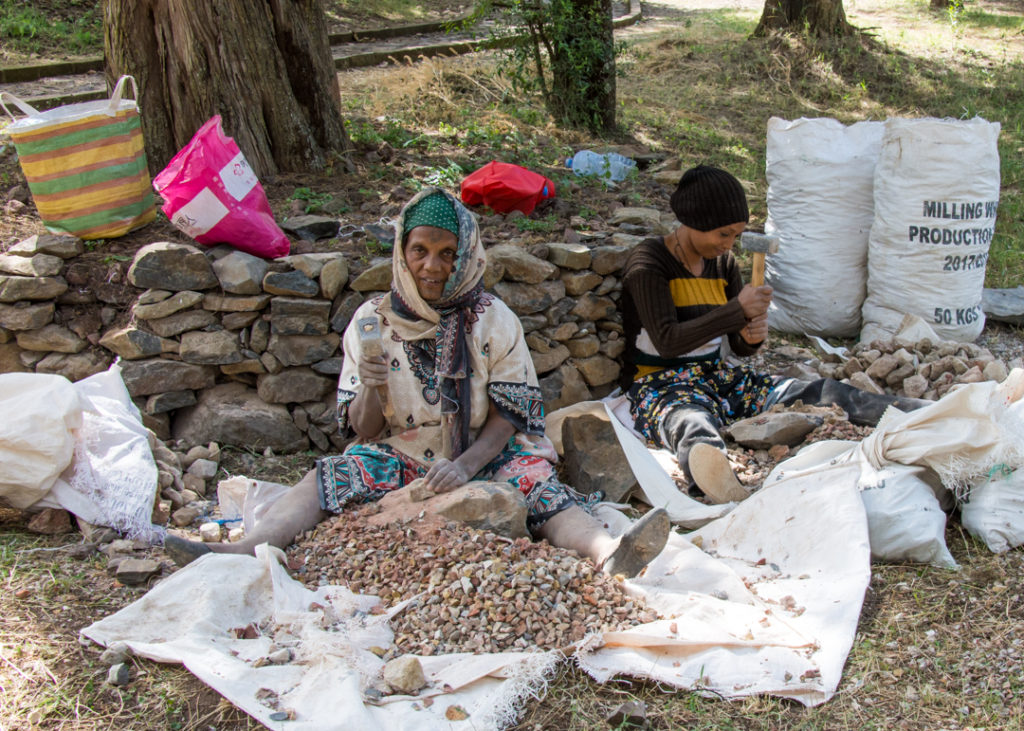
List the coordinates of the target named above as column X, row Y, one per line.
column 447, row 322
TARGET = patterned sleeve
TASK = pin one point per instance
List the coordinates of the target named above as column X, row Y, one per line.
column 512, row 381
column 348, row 381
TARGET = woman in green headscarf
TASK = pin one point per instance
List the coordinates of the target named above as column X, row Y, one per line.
column 453, row 398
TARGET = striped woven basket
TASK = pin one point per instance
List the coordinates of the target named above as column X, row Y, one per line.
column 86, row 164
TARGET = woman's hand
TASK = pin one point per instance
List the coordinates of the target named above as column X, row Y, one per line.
column 445, row 475
column 756, row 330
column 755, row 300
column 373, row 370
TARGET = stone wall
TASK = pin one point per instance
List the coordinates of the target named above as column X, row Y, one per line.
column 218, row 345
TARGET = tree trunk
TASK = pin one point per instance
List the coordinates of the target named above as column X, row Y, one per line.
column 818, row 17
column 582, row 64
column 264, row 65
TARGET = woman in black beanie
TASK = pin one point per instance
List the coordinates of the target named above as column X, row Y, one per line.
column 683, row 296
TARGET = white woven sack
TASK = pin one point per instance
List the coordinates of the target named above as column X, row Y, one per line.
column 936, row 193
column 820, row 204
column 994, row 511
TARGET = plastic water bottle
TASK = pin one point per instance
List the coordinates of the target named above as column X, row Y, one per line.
column 609, row 166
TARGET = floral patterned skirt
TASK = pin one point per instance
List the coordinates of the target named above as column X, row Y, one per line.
column 726, row 392
column 367, row 472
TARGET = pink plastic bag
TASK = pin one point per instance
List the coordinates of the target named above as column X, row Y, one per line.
column 212, row 194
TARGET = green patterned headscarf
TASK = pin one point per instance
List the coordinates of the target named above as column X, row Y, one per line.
column 434, row 210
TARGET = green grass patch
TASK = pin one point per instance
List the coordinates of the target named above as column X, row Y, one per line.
column 70, row 28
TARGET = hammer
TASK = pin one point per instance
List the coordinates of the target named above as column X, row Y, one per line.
column 759, row 244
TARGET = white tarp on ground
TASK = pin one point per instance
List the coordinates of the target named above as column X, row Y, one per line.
column 78, row 446
column 762, row 600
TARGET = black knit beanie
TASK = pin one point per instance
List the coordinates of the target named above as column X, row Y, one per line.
column 708, row 198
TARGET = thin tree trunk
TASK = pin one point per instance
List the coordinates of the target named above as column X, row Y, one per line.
column 818, row 17
column 583, row 64
column 263, row 65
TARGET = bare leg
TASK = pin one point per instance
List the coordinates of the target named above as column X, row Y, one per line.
column 576, row 529
column 295, row 511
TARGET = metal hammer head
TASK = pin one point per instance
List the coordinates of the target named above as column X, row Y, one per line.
column 759, row 243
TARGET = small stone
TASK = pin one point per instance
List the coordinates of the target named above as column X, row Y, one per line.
column 50, row 521
column 118, row 652
column 280, row 656
column 209, row 532
column 236, row 534
column 204, row 468
column 185, row 516
column 119, row 674
column 134, row 571
column 405, row 674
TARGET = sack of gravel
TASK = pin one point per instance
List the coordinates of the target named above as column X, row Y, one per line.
column 936, row 191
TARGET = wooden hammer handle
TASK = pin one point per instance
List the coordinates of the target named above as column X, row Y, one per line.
column 757, row 274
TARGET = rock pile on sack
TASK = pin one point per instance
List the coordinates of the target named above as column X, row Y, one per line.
column 187, row 481
column 218, row 345
column 919, row 370
column 474, row 591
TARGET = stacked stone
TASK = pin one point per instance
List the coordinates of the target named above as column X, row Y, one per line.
column 40, row 327
column 567, row 298
column 240, row 349
column 226, row 347
column 919, row 370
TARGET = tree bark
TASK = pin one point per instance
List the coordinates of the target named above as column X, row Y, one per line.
column 264, row 65
column 818, row 17
column 583, row 64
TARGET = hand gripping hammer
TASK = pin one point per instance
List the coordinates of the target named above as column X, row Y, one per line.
column 759, row 245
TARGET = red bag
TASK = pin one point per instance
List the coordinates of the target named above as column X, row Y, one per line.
column 506, row 187
column 212, row 194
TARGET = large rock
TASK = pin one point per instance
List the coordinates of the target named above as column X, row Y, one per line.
column 299, row 316
column 40, row 265
column 563, row 387
column 234, row 414
column 219, row 347
column 311, row 228
column 131, row 343
column 333, row 277
column 649, row 218
column 493, row 506
column 224, row 303
column 169, row 306
column 51, row 338
column 290, row 284
column 525, row 299
column 240, row 273
column 1004, row 305
column 145, row 377
column 375, row 279
column 299, row 350
column 591, row 307
column 74, row 366
column 14, row 288
column 576, row 283
column 179, row 322
column 10, row 359
column 521, row 266
column 65, row 247
column 569, row 256
column 344, row 308
column 583, row 347
column 293, row 385
column 25, row 316
column 608, row 259
column 175, row 267
column 548, row 361
column 597, row 370
column 771, row 428
column 312, row 265
column 593, row 459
